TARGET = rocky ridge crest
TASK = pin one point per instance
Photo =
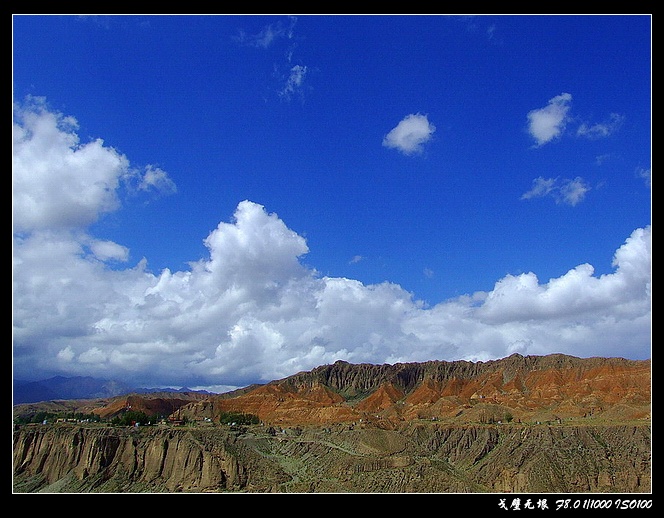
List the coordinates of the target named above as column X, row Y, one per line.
column 520, row 388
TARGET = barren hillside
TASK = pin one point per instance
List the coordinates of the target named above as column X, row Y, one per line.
column 517, row 388
column 521, row 424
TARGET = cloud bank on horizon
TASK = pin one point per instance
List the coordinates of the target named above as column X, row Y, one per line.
column 250, row 310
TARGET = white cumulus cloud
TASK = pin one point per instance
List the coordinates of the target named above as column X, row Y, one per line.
column 250, row 310
column 58, row 182
column 548, row 123
column 410, row 135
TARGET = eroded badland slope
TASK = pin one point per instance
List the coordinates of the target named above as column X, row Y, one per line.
column 517, row 388
column 521, row 424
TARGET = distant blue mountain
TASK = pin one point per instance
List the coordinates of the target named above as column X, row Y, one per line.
column 78, row 387
column 31, row 392
column 60, row 387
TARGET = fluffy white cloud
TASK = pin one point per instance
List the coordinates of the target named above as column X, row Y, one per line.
column 155, row 179
column 57, row 181
column 108, row 251
column 410, row 135
column 250, row 311
column 546, row 124
column 257, row 250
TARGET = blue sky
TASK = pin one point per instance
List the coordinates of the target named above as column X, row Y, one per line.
column 213, row 201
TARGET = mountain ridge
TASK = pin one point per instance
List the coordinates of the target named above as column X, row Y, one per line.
column 516, row 387
column 520, row 424
column 409, row 373
column 520, row 388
